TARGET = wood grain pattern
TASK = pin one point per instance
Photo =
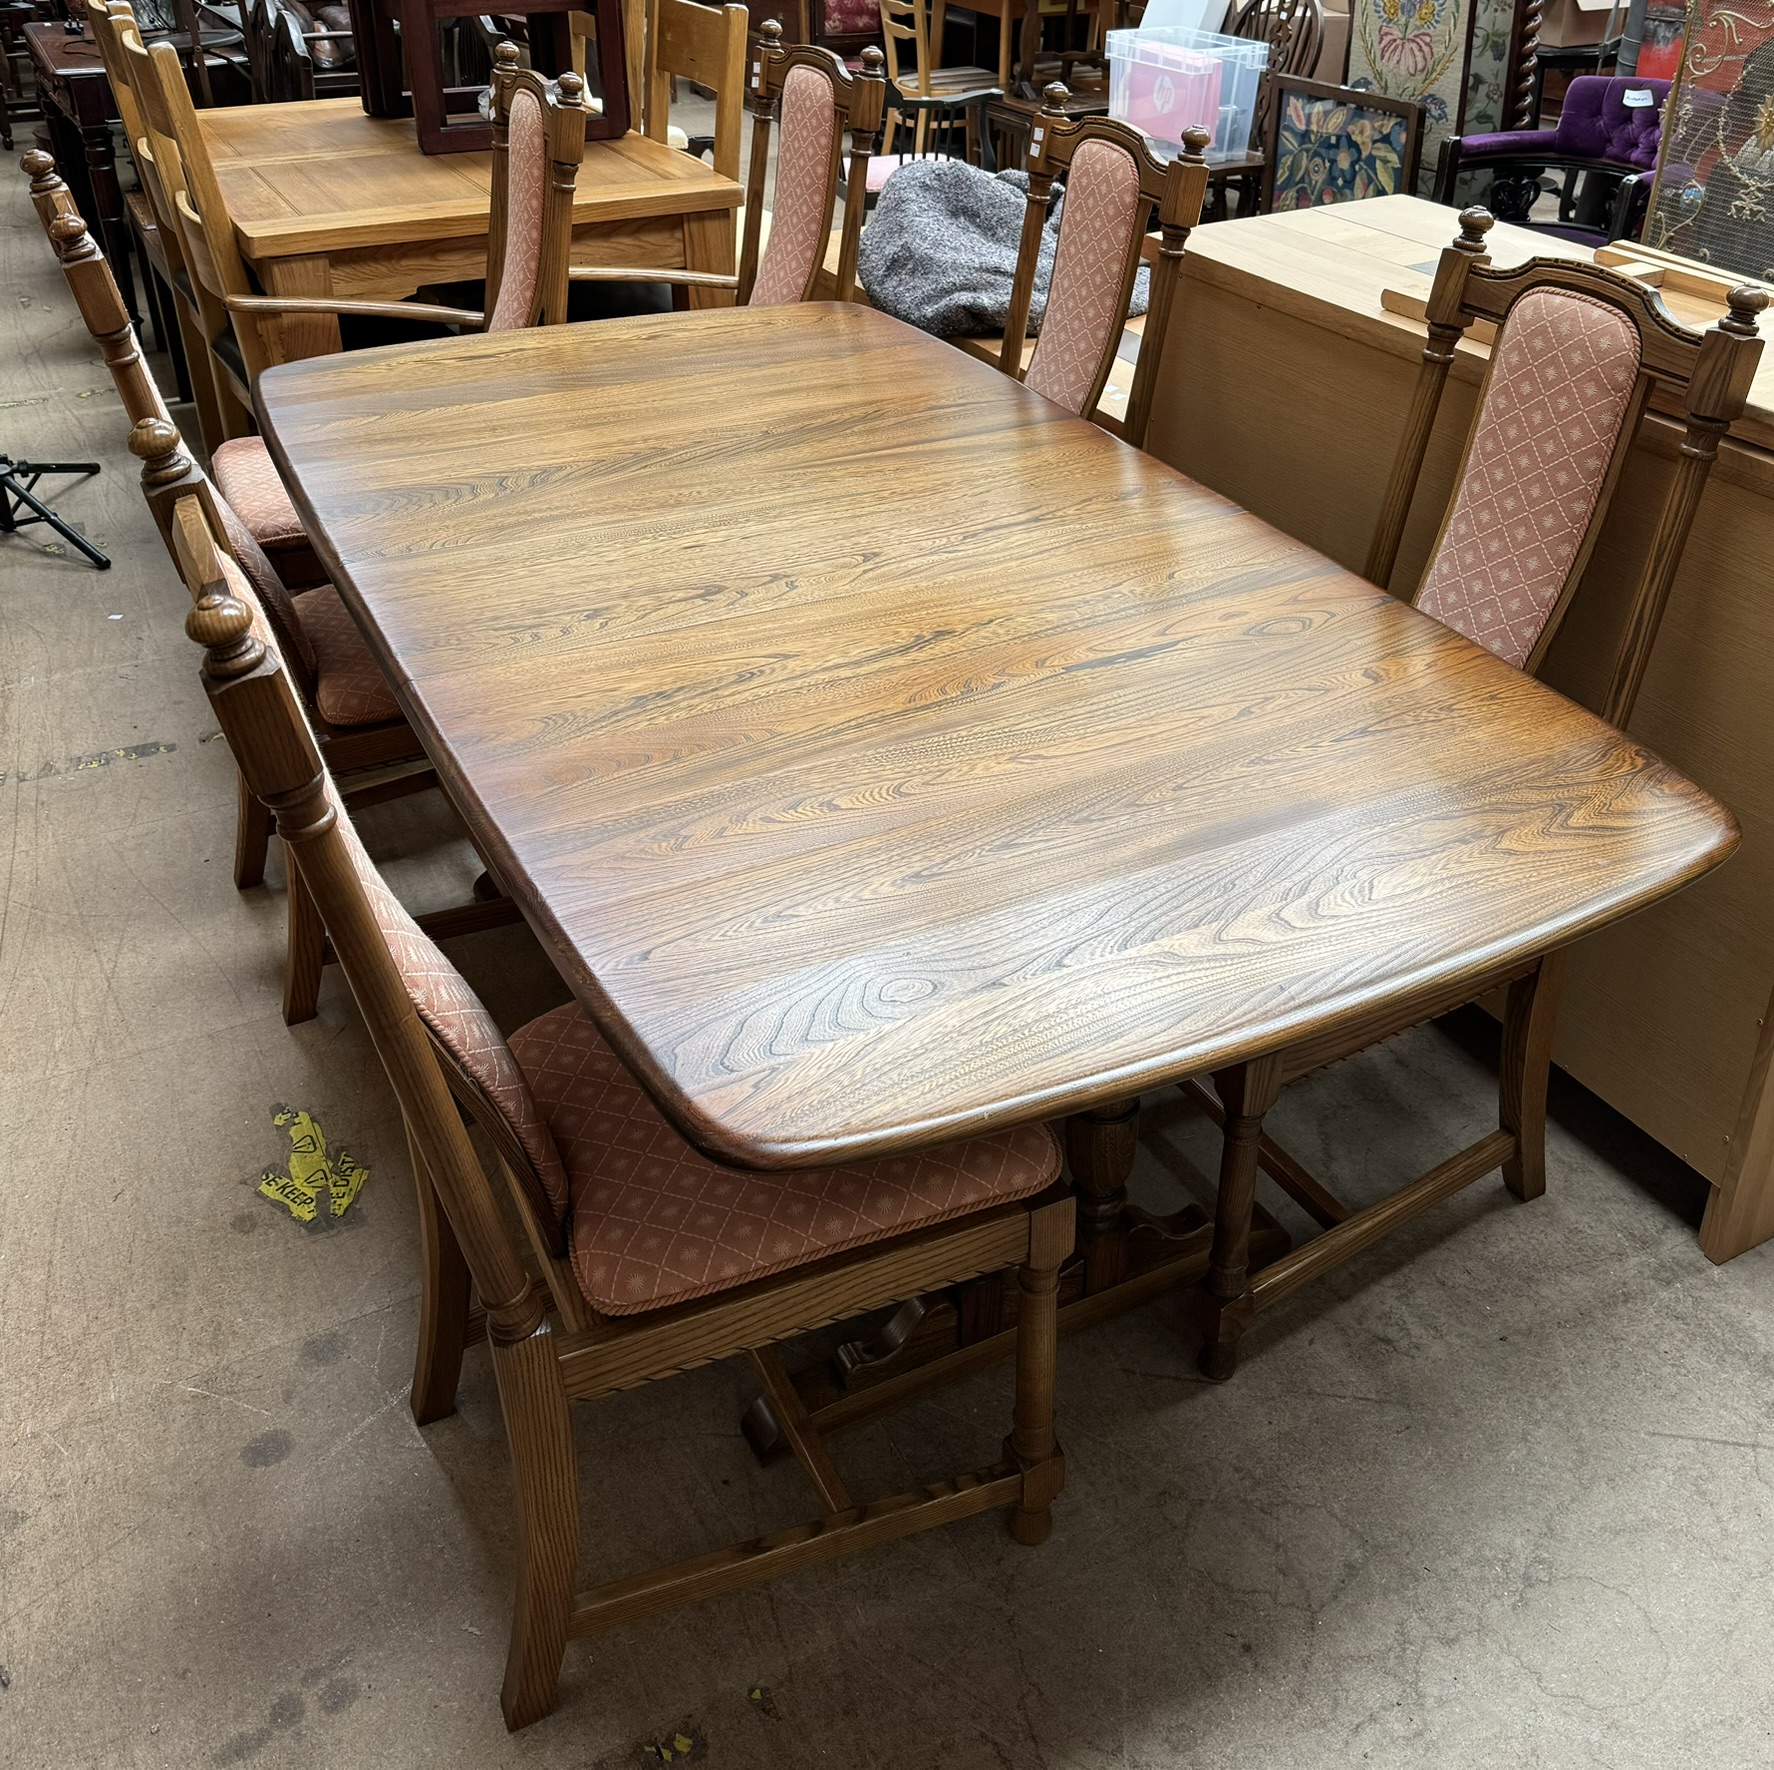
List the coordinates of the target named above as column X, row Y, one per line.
column 1073, row 779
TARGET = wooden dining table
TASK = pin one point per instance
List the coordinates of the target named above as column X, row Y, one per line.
column 883, row 755
column 328, row 201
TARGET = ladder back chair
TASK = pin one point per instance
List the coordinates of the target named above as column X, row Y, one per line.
column 931, row 92
column 1113, row 181
column 599, row 1274
column 1579, row 351
column 706, row 45
column 819, row 99
column 358, row 722
column 166, row 276
column 241, row 465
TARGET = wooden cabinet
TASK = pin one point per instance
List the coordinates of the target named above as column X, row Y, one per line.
column 1285, row 387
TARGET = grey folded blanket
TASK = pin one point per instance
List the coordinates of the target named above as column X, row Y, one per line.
column 939, row 252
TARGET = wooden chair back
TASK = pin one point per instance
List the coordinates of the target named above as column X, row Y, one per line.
column 1113, row 183
column 538, row 147
column 818, row 99
column 1566, row 331
column 194, row 198
column 258, row 710
column 705, row 44
column 903, row 23
column 1294, row 31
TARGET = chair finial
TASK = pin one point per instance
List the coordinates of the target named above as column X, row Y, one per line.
column 1746, row 302
column 571, row 89
column 505, row 54
column 874, row 63
column 1055, row 96
column 71, row 240
column 1475, row 223
column 1195, row 143
column 156, row 443
column 771, row 31
column 223, row 626
column 37, row 165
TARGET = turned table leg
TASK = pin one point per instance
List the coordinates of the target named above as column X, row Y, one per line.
column 1100, row 1147
column 1246, row 1092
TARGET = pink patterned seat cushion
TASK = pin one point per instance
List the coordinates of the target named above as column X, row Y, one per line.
column 1560, row 388
column 1084, row 312
column 247, row 477
column 526, row 186
column 655, row 1223
column 801, row 221
column 349, row 687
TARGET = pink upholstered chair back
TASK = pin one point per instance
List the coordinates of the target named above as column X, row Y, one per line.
column 814, row 99
column 526, row 187
column 1556, row 404
column 538, row 144
column 1579, row 351
column 806, row 176
column 1114, row 185
column 1086, row 309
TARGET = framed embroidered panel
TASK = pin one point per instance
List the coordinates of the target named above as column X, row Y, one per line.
column 1714, row 196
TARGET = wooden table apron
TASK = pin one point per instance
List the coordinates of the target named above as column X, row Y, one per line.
column 884, row 755
column 329, row 201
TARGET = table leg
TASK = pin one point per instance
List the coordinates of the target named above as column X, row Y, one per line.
column 709, row 246
column 1246, row 1092
column 304, row 335
column 1100, row 1149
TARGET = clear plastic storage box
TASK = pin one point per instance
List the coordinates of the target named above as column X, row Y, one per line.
column 1163, row 81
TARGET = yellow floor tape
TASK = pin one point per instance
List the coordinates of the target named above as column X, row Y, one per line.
column 315, row 1172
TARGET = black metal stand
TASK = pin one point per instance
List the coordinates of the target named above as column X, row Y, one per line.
column 18, row 484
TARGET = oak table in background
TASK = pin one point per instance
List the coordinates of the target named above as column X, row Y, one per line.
column 856, row 828
column 329, row 201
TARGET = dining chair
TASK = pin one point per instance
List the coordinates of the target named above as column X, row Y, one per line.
column 818, row 100
column 618, row 1254
column 1113, row 181
column 1579, row 352
column 358, row 722
column 934, row 94
column 157, row 248
column 1294, row 31
column 706, row 45
column 538, row 144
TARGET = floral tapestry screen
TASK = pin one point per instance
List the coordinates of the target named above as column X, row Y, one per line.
column 1332, row 147
column 1714, row 197
column 1416, row 50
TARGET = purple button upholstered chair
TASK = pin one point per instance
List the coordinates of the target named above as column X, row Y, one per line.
column 1608, row 129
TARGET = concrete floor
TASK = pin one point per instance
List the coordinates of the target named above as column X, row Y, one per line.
column 1498, row 1493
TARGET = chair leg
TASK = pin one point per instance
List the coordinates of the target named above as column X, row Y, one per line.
column 252, row 837
column 1246, row 1092
column 1529, row 1019
column 443, row 1303
column 1032, row 1444
column 539, row 1426
column 307, row 954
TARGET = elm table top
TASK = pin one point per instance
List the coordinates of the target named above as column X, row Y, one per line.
column 883, row 755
